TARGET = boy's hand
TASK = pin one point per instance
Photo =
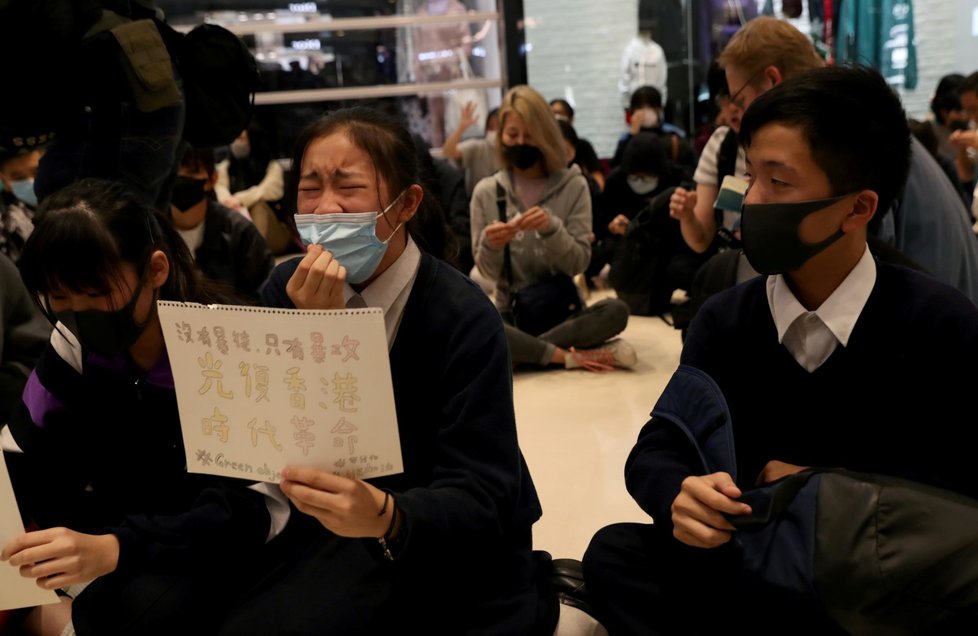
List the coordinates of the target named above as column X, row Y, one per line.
column 697, row 511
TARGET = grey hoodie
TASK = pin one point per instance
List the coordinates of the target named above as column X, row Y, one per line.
column 565, row 247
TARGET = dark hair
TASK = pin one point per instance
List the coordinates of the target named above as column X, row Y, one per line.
column 568, row 132
column 565, row 105
column 969, row 84
column 494, row 113
column 853, row 122
column 394, row 155
column 646, row 152
column 195, row 159
column 947, row 96
column 84, row 232
column 448, row 247
column 644, row 96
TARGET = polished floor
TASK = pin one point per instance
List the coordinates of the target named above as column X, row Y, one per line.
column 576, row 428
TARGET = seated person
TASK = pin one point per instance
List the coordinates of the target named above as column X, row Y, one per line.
column 826, row 151
column 135, row 543
column 928, row 222
column 645, row 114
column 546, row 236
column 584, row 153
column 393, row 554
column 645, row 171
column 226, row 246
column 476, row 156
column 17, row 200
column 252, row 182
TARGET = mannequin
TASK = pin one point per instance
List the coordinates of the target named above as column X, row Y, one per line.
column 437, row 48
column 643, row 63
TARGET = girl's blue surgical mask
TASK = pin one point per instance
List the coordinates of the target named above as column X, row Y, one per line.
column 23, row 189
column 350, row 237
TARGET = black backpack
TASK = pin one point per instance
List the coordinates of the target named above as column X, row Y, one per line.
column 220, row 77
column 652, row 260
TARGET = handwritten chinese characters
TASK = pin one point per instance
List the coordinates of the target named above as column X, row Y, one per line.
column 259, row 390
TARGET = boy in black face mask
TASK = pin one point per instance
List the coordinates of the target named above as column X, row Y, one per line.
column 226, row 245
column 833, row 359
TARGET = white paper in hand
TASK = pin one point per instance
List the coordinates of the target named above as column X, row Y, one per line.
column 15, row 590
column 260, row 388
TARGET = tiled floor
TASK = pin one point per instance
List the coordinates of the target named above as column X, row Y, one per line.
column 576, row 429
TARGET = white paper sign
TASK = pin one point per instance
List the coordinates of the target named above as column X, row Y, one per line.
column 15, row 590
column 259, row 389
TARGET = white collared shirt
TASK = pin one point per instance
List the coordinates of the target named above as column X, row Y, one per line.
column 812, row 336
column 391, row 289
column 193, row 237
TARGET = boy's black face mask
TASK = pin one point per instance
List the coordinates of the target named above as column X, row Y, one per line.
column 769, row 232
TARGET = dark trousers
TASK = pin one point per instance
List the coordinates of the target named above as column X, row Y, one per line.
column 643, row 581
column 334, row 585
column 154, row 604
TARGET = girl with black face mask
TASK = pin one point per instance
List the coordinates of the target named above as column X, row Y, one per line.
column 531, row 230
column 95, row 450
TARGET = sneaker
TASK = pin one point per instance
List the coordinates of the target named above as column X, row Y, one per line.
column 581, row 283
column 616, row 353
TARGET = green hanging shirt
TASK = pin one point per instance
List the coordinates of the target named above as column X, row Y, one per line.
column 879, row 33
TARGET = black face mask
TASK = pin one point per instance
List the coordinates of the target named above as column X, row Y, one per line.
column 522, row 156
column 106, row 333
column 770, row 234
column 187, row 192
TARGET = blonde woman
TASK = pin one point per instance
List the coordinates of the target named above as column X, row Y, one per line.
column 546, row 232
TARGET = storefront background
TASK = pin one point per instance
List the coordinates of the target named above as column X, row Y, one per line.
column 575, row 49
column 566, row 48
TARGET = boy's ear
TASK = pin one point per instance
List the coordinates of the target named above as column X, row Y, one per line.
column 773, row 73
column 863, row 209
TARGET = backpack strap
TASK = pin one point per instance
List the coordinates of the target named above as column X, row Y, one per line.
column 675, row 147
column 727, row 156
column 507, row 261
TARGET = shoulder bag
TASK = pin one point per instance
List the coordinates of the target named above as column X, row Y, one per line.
column 541, row 306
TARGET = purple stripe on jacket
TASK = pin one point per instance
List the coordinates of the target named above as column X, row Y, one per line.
column 39, row 400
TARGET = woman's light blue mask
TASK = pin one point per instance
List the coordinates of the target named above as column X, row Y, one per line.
column 350, row 237
column 24, row 190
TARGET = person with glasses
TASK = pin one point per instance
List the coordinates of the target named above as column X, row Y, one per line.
column 747, row 77
column 929, row 222
column 833, row 358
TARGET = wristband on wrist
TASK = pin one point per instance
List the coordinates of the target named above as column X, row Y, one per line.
column 386, row 540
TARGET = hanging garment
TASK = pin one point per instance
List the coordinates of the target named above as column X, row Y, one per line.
column 879, row 33
column 643, row 63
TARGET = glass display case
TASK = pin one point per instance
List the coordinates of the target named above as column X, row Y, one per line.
column 422, row 59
